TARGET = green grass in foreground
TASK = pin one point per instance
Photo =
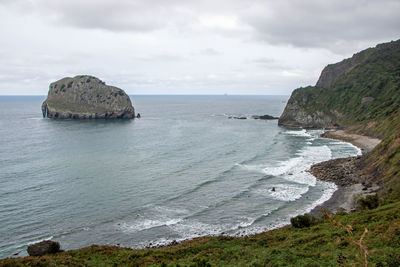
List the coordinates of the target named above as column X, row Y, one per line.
column 330, row 243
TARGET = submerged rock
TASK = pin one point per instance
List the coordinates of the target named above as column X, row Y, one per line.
column 44, row 247
column 264, row 117
column 86, row 97
column 255, row 117
column 237, row 118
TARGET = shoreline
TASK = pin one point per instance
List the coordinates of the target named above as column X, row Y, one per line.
column 365, row 143
column 345, row 173
column 343, row 198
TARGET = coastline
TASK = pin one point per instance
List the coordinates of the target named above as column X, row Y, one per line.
column 345, row 173
column 365, row 143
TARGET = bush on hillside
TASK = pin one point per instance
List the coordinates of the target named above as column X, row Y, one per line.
column 368, row 202
column 303, row 221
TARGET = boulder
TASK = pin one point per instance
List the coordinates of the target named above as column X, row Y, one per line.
column 44, row 247
column 86, row 97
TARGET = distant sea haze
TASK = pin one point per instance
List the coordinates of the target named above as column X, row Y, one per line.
column 185, row 169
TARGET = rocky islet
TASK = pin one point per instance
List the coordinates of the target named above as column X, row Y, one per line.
column 86, row 97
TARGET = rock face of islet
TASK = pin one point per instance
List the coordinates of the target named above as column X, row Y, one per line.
column 86, row 97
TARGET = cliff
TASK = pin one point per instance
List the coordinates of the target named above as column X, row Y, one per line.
column 362, row 95
column 86, row 97
column 300, row 110
column 363, row 88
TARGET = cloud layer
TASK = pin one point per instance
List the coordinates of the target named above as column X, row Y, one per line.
column 311, row 23
column 178, row 46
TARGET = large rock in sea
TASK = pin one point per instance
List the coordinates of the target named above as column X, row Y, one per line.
column 86, row 97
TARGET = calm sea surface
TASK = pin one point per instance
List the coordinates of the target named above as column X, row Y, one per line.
column 183, row 170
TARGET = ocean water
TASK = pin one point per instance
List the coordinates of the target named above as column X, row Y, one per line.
column 183, row 170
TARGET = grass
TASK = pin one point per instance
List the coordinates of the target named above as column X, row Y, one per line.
column 329, row 243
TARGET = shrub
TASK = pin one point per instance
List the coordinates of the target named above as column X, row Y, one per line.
column 44, row 247
column 368, row 202
column 390, row 259
column 303, row 221
column 200, row 263
column 341, row 211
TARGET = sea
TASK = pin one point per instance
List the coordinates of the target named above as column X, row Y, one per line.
column 185, row 169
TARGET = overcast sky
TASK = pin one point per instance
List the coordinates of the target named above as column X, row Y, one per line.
column 186, row 47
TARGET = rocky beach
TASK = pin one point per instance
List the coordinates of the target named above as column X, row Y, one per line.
column 346, row 173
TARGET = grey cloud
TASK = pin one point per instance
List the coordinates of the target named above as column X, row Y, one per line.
column 209, row 52
column 270, row 64
column 326, row 24
column 311, row 23
column 166, row 57
column 121, row 15
column 126, row 15
column 264, row 60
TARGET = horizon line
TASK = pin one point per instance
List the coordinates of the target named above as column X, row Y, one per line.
column 181, row 95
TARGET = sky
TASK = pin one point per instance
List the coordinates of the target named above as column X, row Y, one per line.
column 257, row 47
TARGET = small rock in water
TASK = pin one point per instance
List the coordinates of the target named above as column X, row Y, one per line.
column 273, row 189
column 264, row 117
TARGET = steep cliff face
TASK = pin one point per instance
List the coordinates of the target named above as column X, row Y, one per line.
column 363, row 88
column 86, row 97
column 297, row 112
